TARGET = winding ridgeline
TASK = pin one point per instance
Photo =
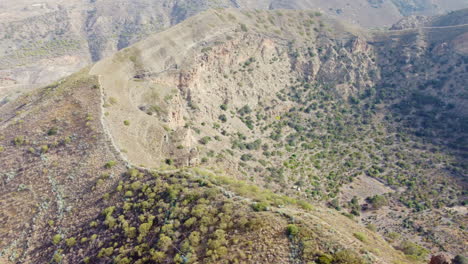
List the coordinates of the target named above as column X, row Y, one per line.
column 246, row 136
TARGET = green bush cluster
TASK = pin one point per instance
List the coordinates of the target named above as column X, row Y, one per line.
column 170, row 218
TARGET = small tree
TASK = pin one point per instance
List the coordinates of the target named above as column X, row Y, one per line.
column 377, row 201
column 223, row 118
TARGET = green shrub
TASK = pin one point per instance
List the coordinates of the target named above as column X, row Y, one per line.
column 110, row 221
column 57, row 258
column 325, row 259
column 377, row 201
column 372, row 227
column 52, row 131
column 144, row 230
column 131, row 232
column 360, row 236
column 459, row 259
column 205, row 140
column 44, row 148
column 158, row 256
column 105, row 252
column 135, row 186
column 190, row 221
column 292, row 230
column 19, row 140
column 110, row 164
column 305, row 205
column 194, row 238
column 246, row 157
column 206, row 49
column 245, row 110
column 56, row 239
column 414, row 250
column 393, row 236
column 164, row 242
column 261, row 206
column 223, row 118
column 123, row 261
column 70, row 241
column 347, row 257
column 126, row 122
column 244, row 27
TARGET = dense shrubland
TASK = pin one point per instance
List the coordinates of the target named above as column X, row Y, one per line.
column 191, row 218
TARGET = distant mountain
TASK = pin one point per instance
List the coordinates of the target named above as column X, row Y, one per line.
column 41, row 42
column 455, row 18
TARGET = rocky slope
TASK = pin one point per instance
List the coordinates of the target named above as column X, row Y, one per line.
column 262, row 111
column 304, row 117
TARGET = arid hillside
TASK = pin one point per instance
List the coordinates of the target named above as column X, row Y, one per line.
column 245, row 136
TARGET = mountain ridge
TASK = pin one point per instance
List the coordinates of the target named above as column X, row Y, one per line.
column 48, row 40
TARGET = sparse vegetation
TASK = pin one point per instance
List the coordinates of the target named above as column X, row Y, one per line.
column 297, row 136
column 414, row 250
